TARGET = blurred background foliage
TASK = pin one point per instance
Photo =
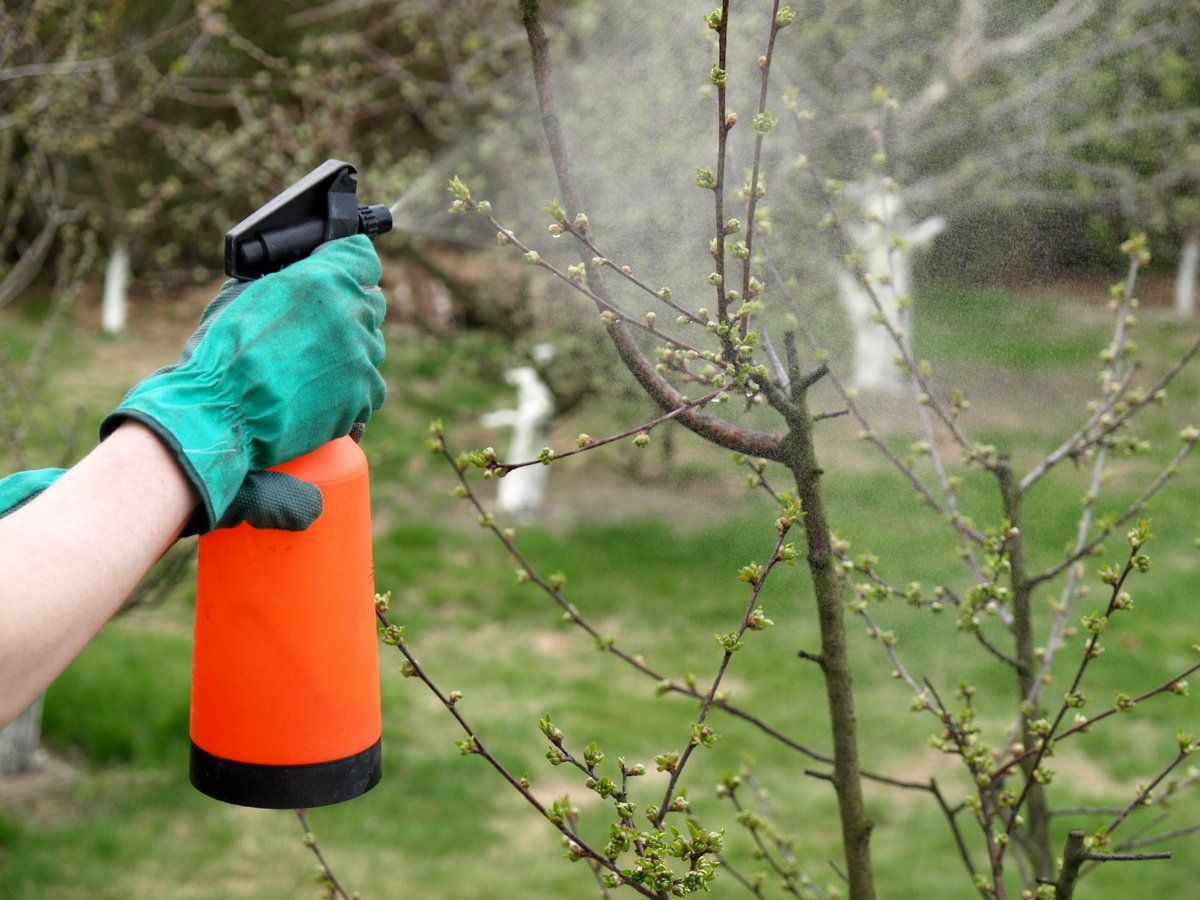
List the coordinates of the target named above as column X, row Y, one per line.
column 162, row 123
column 159, row 123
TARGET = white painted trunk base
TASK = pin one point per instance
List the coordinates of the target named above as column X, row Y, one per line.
column 875, row 368
column 521, row 492
column 114, row 307
column 1185, row 277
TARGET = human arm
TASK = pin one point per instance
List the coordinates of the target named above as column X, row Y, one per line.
column 70, row 557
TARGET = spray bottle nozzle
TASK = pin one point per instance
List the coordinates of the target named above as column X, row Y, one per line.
column 374, row 220
column 321, row 206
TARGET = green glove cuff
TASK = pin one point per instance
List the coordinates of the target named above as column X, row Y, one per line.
column 176, row 407
column 17, row 490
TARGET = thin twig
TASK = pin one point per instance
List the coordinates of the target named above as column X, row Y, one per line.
column 326, row 871
column 706, row 706
column 477, row 747
column 1168, row 472
column 503, row 468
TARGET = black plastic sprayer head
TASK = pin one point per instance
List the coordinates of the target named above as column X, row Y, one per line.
column 320, row 207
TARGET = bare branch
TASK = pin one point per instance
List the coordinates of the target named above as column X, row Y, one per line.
column 324, row 870
column 719, row 432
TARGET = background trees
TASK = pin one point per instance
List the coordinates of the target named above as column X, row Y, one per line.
column 1031, row 128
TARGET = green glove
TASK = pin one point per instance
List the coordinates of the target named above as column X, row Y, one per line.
column 17, row 490
column 276, row 368
column 265, row 499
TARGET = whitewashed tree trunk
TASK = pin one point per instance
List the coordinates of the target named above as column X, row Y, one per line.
column 19, row 741
column 882, row 223
column 522, row 491
column 874, row 369
column 1185, row 276
column 114, row 308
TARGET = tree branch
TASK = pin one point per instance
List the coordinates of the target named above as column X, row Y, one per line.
column 722, row 433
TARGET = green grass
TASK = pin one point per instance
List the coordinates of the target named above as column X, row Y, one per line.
column 972, row 323
column 653, row 562
column 129, row 672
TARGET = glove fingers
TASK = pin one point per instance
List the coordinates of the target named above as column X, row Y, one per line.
column 17, row 490
column 353, row 255
column 274, row 500
column 374, row 308
column 378, row 391
column 376, row 348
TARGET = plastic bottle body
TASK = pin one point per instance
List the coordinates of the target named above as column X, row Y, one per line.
column 285, row 675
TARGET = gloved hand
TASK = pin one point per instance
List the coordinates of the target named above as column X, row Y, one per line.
column 276, row 368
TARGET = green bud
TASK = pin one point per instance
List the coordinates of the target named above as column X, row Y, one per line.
column 757, row 620
column 764, row 122
column 550, row 730
column 666, row 762
column 467, row 746
column 730, row 641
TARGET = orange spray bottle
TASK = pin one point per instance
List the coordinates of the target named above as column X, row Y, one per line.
column 285, row 675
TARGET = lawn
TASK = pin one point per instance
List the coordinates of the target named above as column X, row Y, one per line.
column 652, row 557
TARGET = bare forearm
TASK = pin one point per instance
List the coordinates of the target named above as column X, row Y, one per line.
column 69, row 558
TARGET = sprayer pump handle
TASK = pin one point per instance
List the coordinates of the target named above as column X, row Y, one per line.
column 321, row 206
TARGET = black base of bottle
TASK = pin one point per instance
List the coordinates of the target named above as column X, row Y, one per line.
column 286, row 787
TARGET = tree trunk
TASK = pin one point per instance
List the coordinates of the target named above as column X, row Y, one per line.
column 19, row 741
column 115, row 305
column 874, row 369
column 885, row 241
column 1035, row 839
column 834, row 660
column 522, row 491
column 1185, row 276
